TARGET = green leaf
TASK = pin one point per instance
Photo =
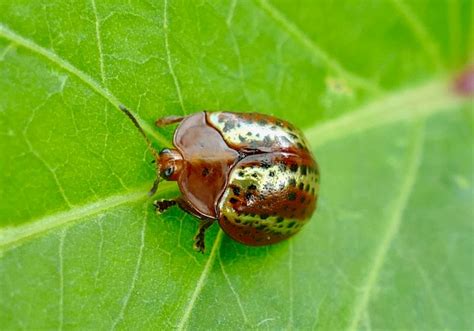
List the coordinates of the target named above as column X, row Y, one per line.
column 370, row 83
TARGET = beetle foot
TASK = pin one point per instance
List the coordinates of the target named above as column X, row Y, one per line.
column 199, row 238
column 199, row 243
column 168, row 120
column 162, row 205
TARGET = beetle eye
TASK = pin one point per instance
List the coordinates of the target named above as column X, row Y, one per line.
column 168, row 171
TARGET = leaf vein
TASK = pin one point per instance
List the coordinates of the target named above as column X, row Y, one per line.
column 419, row 31
column 136, row 271
column 317, row 52
column 65, row 65
column 168, row 58
column 99, row 42
column 234, row 292
column 201, row 281
column 406, row 105
column 40, row 158
column 290, row 285
column 230, row 15
column 14, row 236
column 61, row 278
column 393, row 225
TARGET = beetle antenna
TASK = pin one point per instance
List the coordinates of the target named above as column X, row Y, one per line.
column 150, row 148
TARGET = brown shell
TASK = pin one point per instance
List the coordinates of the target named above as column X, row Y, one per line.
column 208, row 161
column 263, row 159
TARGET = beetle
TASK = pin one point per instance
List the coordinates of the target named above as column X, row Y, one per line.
column 252, row 173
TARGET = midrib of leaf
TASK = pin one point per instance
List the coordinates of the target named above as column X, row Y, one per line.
column 17, row 39
column 413, row 164
column 405, row 105
column 11, row 237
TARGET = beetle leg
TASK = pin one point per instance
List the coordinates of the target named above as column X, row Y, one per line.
column 204, row 224
column 199, row 238
column 162, row 205
column 168, row 120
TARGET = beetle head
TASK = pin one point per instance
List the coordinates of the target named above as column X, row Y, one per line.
column 170, row 164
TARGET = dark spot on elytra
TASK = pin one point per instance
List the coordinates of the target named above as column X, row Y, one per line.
column 261, row 197
column 300, row 145
column 205, row 172
column 307, row 188
column 291, row 224
column 312, row 191
column 233, row 200
column 294, row 167
column 262, row 122
column 261, row 227
column 252, row 187
column 292, row 182
column 265, row 164
column 273, row 127
column 249, row 133
column 238, row 221
column 280, row 219
column 301, row 186
column 229, row 125
column 292, row 129
column 304, row 170
column 221, row 118
column 271, row 173
column 242, row 139
column 291, row 196
column 268, row 187
column 236, row 190
column 248, row 196
column 241, row 173
column 264, row 216
column 254, row 175
column 282, row 167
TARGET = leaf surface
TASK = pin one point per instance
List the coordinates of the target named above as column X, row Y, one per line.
column 390, row 246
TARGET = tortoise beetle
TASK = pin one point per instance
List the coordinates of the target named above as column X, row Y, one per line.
column 253, row 173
